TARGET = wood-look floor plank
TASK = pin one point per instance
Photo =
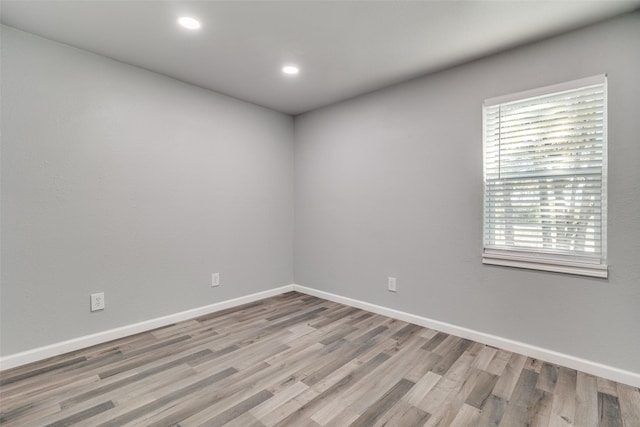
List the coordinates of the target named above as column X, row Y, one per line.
column 435, row 341
column 280, row 397
column 524, row 400
column 629, row 398
column 534, row 365
column 11, row 379
column 297, row 360
column 244, row 420
column 382, row 405
column 607, row 386
column 290, row 407
column 97, row 391
column 276, row 374
column 485, row 357
column 464, row 375
column 39, row 395
column 509, row 377
column 331, row 393
column 136, row 395
column 609, row 411
column 482, row 389
column 237, row 410
column 139, row 412
column 427, row 361
column 428, row 333
column 548, row 378
column 563, row 410
column 499, row 362
column 451, row 356
column 83, row 415
column 401, row 414
column 454, row 404
column 586, row 400
column 212, row 399
column 375, row 384
column 492, row 412
column 540, row 410
column 467, row 416
column 227, row 399
column 422, row 388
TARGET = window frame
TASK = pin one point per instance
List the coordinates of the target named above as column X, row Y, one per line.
column 540, row 260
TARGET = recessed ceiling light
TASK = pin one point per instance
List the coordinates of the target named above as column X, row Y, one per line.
column 290, row 69
column 189, row 22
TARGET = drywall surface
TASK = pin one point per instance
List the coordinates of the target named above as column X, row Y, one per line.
column 390, row 184
column 119, row 180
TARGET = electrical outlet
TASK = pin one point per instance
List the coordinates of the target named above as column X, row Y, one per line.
column 97, row 301
column 391, row 284
column 215, row 279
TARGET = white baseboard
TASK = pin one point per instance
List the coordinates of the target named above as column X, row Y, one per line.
column 56, row 349
column 594, row 368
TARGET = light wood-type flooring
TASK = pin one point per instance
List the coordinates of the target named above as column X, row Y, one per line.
column 297, row 360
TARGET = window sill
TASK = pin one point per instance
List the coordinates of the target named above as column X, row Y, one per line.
column 545, row 264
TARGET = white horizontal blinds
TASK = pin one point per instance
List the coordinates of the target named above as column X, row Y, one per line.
column 544, row 158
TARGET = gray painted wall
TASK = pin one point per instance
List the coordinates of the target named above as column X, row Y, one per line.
column 390, row 184
column 120, row 180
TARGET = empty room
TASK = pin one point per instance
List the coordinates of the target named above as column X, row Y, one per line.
column 320, row 213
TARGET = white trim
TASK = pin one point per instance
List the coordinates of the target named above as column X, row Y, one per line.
column 57, row 349
column 594, row 368
column 507, row 254
column 559, row 87
column 588, row 366
column 604, row 198
column 533, row 262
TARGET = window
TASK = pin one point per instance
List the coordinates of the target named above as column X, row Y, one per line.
column 545, row 178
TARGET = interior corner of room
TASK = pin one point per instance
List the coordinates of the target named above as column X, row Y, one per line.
column 123, row 182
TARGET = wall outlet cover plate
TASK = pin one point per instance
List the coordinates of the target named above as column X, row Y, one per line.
column 97, row 301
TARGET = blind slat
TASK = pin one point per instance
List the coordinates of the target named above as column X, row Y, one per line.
column 544, row 169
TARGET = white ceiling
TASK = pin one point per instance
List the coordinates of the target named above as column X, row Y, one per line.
column 344, row 48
